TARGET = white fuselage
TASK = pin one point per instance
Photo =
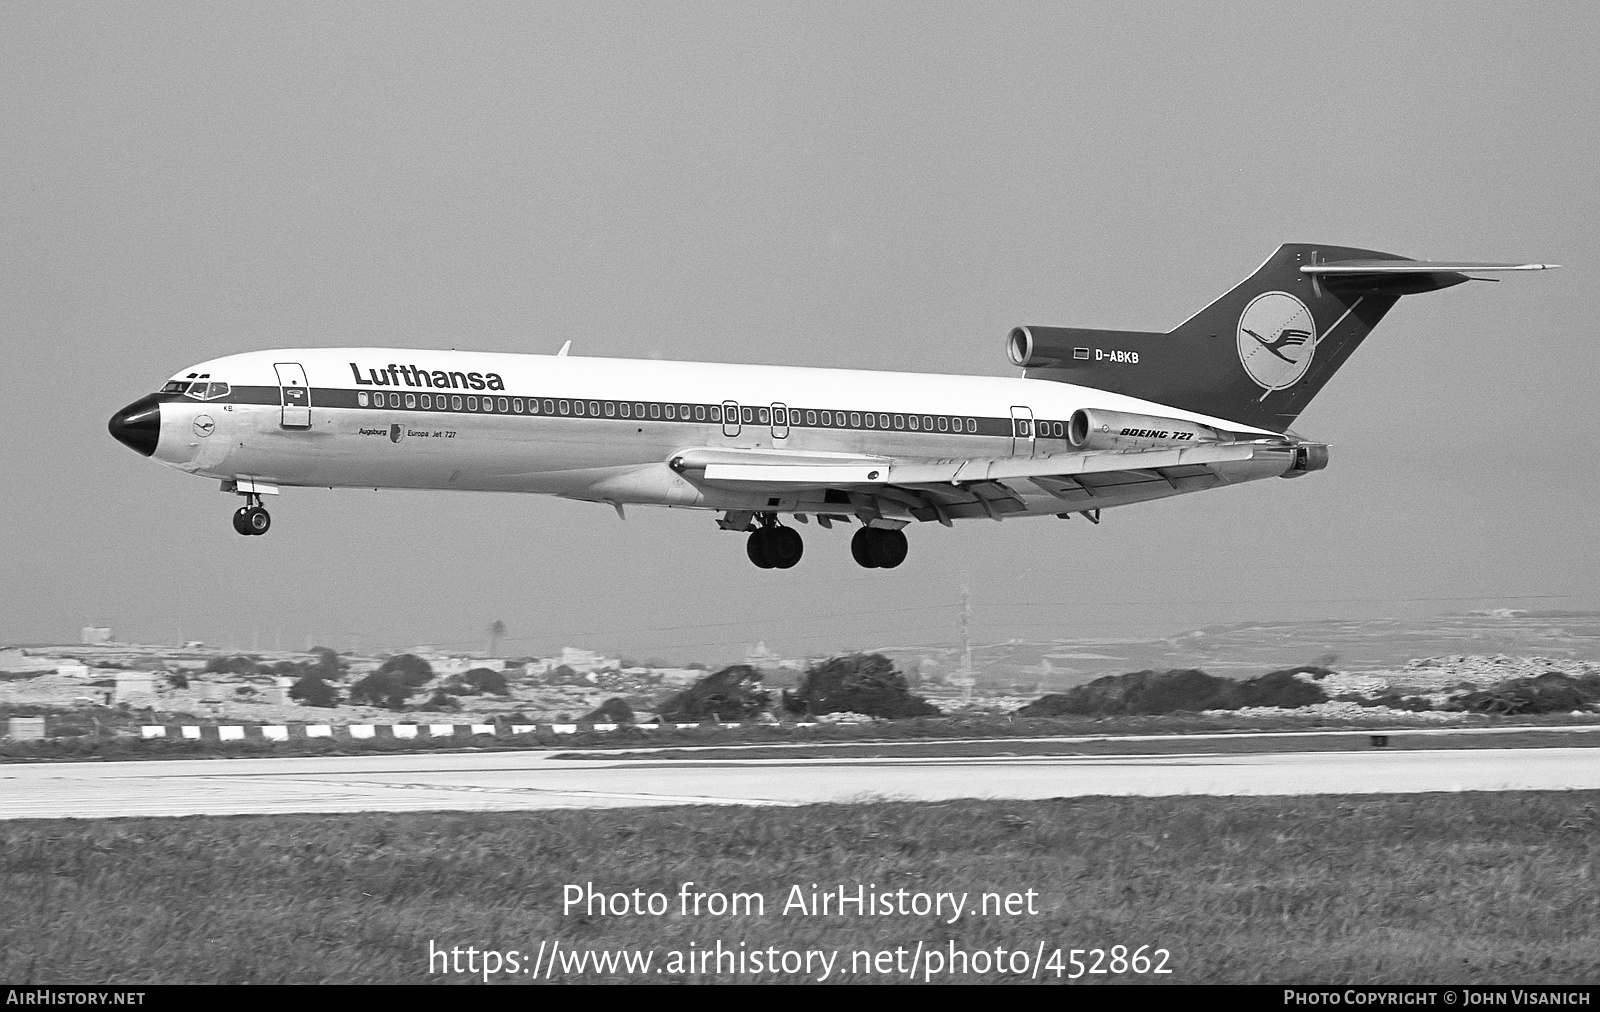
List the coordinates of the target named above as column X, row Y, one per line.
column 606, row 430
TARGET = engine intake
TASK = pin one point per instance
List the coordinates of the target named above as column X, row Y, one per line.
column 1094, row 429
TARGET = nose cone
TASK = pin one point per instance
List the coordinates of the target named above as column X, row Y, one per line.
column 138, row 426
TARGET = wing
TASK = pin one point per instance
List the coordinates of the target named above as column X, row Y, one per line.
column 947, row 489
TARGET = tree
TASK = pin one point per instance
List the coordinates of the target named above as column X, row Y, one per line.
column 313, row 691
column 328, row 666
column 383, row 688
column 476, row 682
column 497, row 629
column 409, row 667
column 734, row 693
column 613, row 711
column 857, row 683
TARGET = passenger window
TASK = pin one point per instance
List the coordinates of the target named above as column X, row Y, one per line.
column 811, row 417
column 427, row 401
column 455, row 403
column 763, row 416
column 700, row 413
column 502, row 404
column 780, row 417
column 627, row 410
column 883, row 421
column 716, row 413
column 361, row 398
column 638, row 410
column 577, row 408
column 550, row 407
column 872, row 423
column 516, row 405
column 411, row 400
column 611, row 409
column 594, row 408
column 899, row 421
column 944, row 423
column 672, row 412
column 683, row 412
column 927, row 422
column 749, row 414
column 855, row 419
column 972, row 425
column 655, row 411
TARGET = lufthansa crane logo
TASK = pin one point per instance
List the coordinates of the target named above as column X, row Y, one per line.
column 1277, row 337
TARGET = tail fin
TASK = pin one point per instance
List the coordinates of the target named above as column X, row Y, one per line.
column 1259, row 353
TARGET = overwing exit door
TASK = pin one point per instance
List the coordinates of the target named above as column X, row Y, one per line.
column 296, row 394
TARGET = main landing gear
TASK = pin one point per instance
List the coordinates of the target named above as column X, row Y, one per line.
column 878, row 548
column 251, row 518
column 774, row 547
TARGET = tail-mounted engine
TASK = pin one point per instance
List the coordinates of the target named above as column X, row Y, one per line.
column 1308, row 457
column 1094, row 429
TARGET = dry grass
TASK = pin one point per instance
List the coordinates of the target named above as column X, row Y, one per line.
column 1457, row 888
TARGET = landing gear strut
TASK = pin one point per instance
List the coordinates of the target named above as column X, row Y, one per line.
column 774, row 547
column 878, row 548
column 251, row 518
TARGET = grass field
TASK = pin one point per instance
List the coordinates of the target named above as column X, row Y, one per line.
column 1468, row 888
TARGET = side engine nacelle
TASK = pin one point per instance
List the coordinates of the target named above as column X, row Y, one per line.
column 1094, row 429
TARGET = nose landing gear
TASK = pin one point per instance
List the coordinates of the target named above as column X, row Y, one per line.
column 774, row 547
column 251, row 519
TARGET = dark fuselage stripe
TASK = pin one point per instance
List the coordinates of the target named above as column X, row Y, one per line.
column 628, row 412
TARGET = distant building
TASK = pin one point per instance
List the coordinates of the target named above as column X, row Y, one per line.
column 94, row 635
column 136, row 688
column 583, row 661
column 761, row 656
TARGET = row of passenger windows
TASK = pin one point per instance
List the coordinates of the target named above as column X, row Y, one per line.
column 779, row 416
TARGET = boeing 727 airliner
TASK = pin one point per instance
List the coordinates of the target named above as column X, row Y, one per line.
column 1099, row 418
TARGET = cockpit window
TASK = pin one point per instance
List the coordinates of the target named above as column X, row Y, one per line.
column 201, row 390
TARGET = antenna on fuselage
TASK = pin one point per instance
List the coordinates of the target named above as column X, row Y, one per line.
column 565, row 347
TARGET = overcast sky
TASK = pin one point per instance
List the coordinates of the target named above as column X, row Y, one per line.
column 862, row 185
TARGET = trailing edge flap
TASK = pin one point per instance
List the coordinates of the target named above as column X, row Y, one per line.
column 800, row 470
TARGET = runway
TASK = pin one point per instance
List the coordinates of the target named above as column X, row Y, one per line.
column 519, row 781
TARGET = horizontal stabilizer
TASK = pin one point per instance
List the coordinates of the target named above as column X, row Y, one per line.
column 1415, row 267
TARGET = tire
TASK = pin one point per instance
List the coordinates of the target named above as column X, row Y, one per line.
column 861, row 548
column 756, row 548
column 888, row 548
column 258, row 520
column 784, row 547
column 241, row 524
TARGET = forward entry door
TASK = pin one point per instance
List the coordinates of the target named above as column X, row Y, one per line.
column 1022, row 443
column 296, row 394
